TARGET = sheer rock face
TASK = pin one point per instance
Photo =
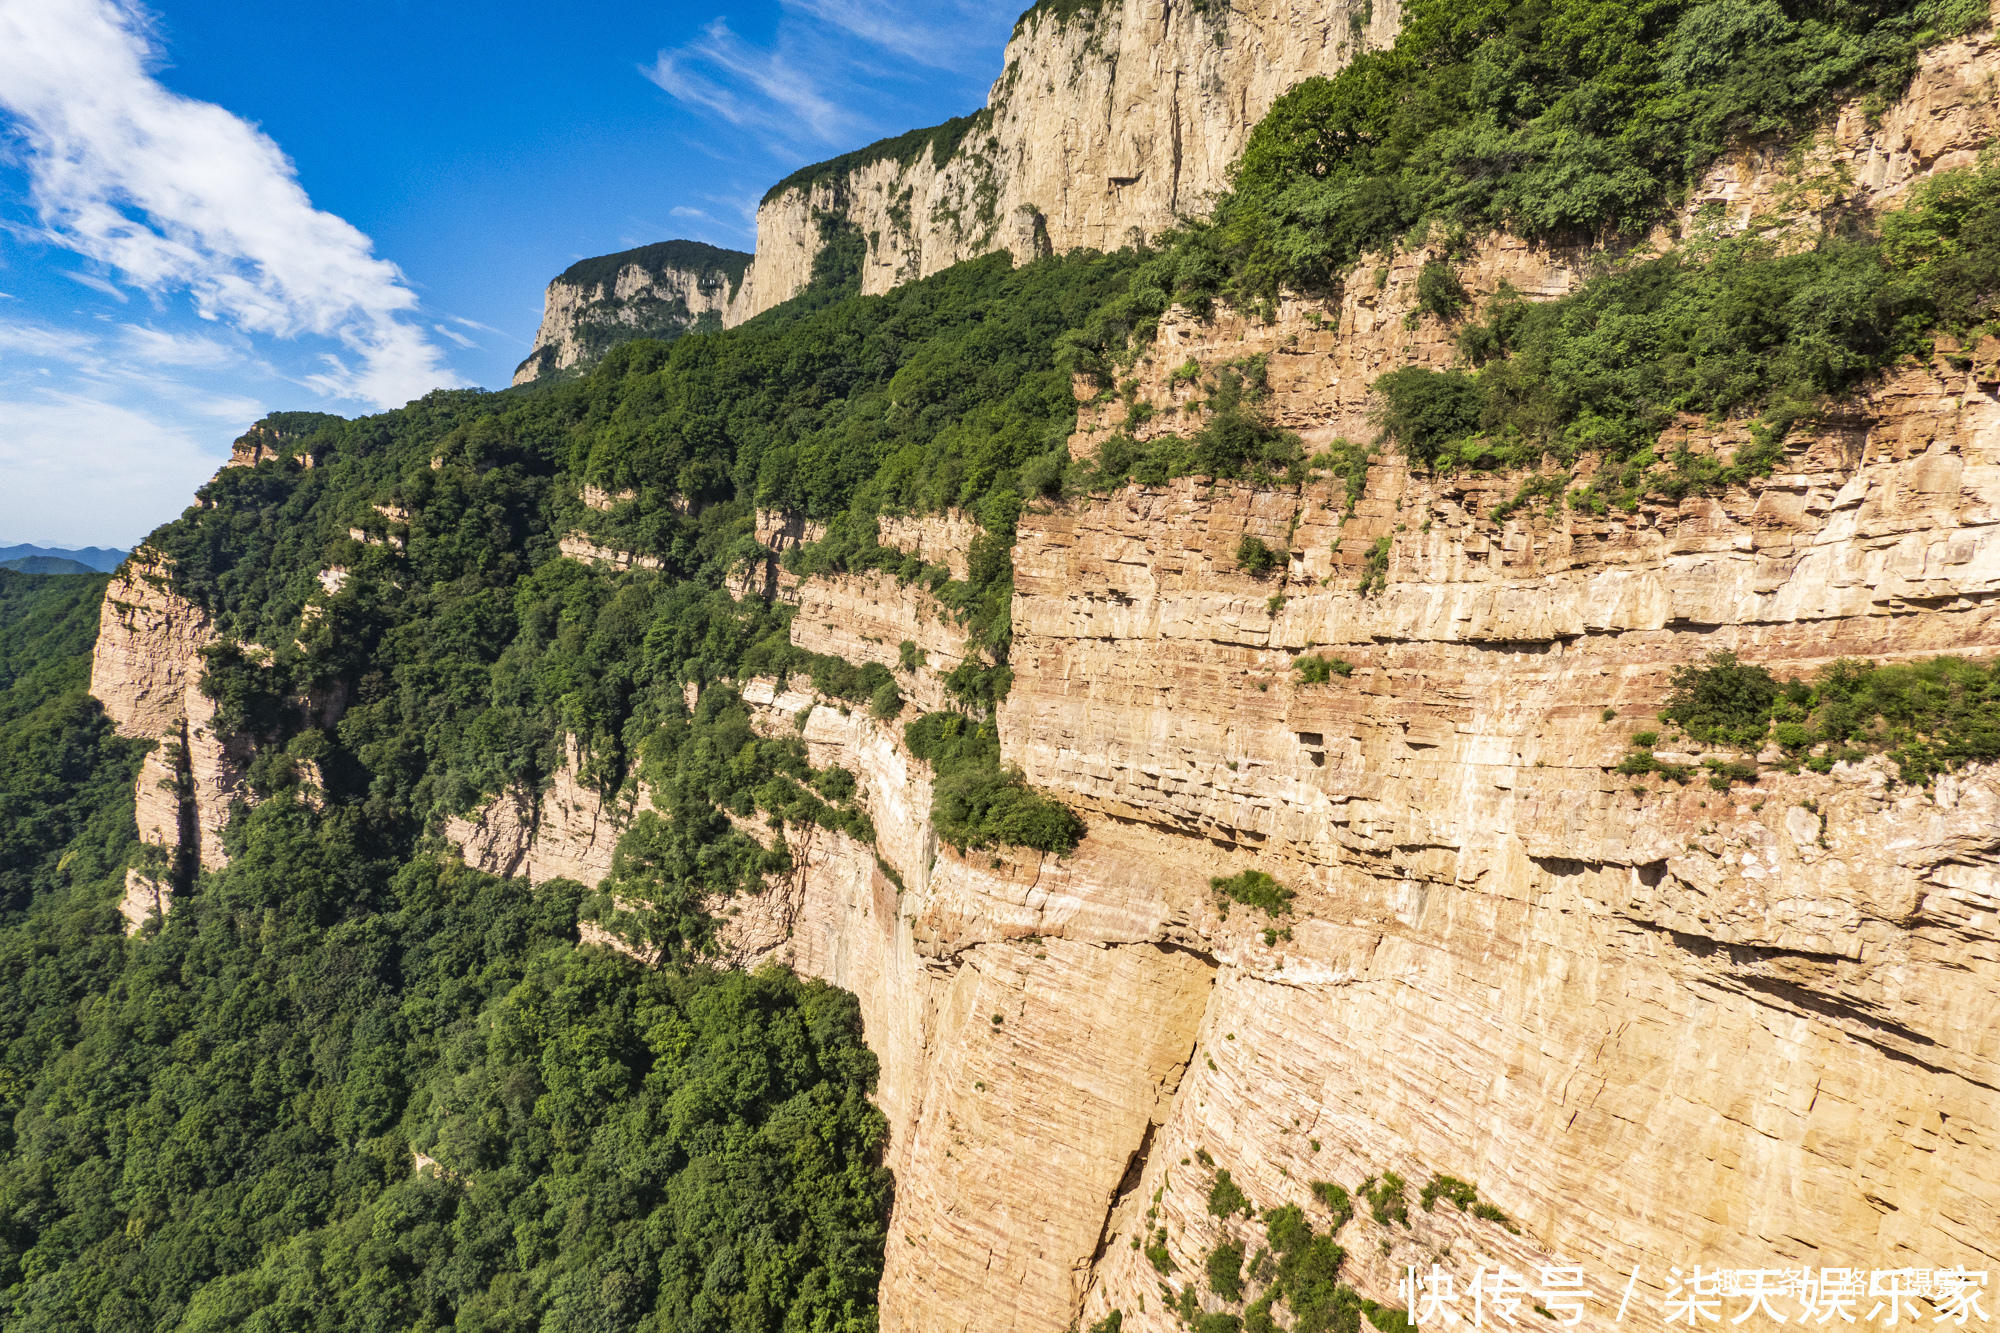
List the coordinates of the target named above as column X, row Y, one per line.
column 644, row 297
column 1657, row 1027
column 569, row 832
column 146, row 670
column 1020, row 1065
column 868, row 617
column 1106, row 126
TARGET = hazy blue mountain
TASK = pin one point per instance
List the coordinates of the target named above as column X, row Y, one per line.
column 94, row 559
column 47, row 564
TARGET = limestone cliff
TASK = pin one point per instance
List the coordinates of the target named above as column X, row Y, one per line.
column 1111, row 120
column 146, row 670
column 1656, row 1025
column 1506, row 964
column 656, row 291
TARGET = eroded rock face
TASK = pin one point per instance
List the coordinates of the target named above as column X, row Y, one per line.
column 1108, row 125
column 146, row 670
column 657, row 291
column 569, row 832
column 1657, row 1025
column 148, row 894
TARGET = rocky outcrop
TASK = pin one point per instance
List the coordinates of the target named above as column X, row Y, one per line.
column 1865, row 156
column 868, row 617
column 1111, row 121
column 146, row 670
column 568, row 831
column 763, row 574
column 579, row 547
column 657, row 291
column 278, row 436
column 936, row 539
column 148, row 895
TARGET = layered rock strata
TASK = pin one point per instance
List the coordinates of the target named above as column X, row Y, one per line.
column 1657, row 1025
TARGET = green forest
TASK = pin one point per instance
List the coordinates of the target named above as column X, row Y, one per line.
column 349, row 1083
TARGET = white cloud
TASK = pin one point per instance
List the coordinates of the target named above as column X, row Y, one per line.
column 174, row 193
column 777, row 95
column 95, row 283
column 90, row 473
column 177, row 349
column 455, row 336
column 939, row 45
column 47, row 344
column 463, row 322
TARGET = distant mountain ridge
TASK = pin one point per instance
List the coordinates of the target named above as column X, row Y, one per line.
column 46, row 564
column 94, row 559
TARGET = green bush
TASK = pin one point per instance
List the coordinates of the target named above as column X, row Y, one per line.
column 1309, row 1272
column 1337, row 1202
column 1254, row 558
column 975, row 802
column 1930, row 716
column 1254, row 888
column 1318, row 670
column 1429, row 412
column 1449, row 1188
column 886, row 703
column 1349, row 462
column 1725, row 772
column 1375, row 567
column 1723, row 701
column 1225, row 1199
column 1225, row 1271
column 1156, row 1253
column 1439, row 291
column 1385, row 1199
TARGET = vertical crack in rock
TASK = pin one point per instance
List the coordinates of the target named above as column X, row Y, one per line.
column 1135, row 1167
column 185, row 858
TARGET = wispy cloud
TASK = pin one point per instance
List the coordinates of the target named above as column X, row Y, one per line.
column 177, row 349
column 465, row 323
column 455, row 336
column 749, row 86
column 46, row 344
column 95, row 283
column 176, row 194
column 835, row 73
column 932, row 35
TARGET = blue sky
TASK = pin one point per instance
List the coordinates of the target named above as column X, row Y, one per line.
column 212, row 210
